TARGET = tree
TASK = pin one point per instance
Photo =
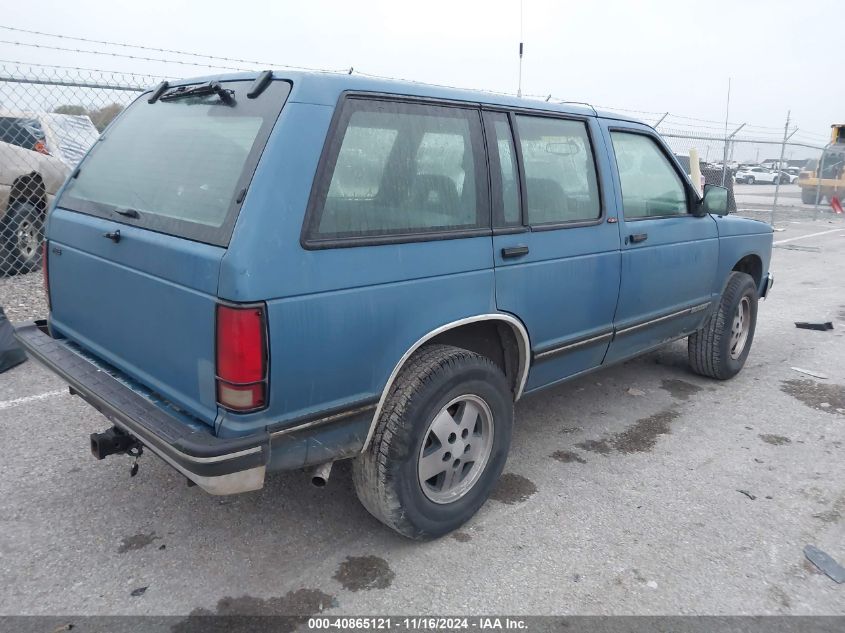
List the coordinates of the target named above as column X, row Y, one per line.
column 103, row 116
column 100, row 117
column 70, row 109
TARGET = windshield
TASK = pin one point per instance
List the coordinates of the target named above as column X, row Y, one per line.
column 178, row 164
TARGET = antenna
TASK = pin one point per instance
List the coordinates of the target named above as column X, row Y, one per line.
column 519, row 87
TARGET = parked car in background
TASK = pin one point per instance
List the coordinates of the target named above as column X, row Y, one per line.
column 271, row 272
column 752, row 175
column 34, row 161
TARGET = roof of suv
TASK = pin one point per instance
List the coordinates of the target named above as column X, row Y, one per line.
column 325, row 88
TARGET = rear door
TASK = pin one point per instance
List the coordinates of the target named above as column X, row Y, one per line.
column 556, row 244
column 669, row 256
column 136, row 239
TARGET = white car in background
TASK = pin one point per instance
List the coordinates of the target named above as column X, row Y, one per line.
column 751, row 175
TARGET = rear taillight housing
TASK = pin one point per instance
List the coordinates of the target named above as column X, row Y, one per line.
column 45, row 272
column 241, row 357
column 41, row 147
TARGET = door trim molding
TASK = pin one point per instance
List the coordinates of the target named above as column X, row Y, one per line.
column 666, row 317
column 572, row 345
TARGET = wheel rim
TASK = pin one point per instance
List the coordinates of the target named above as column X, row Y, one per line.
column 456, row 449
column 28, row 239
column 740, row 326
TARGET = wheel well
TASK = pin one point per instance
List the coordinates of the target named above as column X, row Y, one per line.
column 751, row 265
column 29, row 188
column 494, row 339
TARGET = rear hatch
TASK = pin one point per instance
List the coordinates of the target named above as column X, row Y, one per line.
column 136, row 239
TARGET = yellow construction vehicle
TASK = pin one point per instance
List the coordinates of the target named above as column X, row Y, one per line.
column 832, row 168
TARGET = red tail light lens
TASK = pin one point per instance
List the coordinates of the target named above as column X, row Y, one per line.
column 41, row 147
column 45, row 273
column 241, row 357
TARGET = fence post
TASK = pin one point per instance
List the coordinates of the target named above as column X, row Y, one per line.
column 779, row 165
column 728, row 140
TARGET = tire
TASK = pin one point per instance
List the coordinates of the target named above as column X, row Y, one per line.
column 808, row 196
column 22, row 235
column 750, row 180
column 713, row 350
column 387, row 475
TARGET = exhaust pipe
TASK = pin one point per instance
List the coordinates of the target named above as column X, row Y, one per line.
column 110, row 442
column 320, row 474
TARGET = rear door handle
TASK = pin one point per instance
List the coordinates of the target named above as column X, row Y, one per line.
column 639, row 237
column 514, row 251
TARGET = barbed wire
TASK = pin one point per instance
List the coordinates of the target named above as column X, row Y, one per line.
column 235, row 60
column 713, row 129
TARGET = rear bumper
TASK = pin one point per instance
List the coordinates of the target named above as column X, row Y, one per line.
column 219, row 466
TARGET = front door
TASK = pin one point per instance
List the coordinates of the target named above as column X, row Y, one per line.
column 556, row 254
column 669, row 256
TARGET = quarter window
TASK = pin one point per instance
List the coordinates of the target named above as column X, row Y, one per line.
column 399, row 168
column 650, row 186
column 560, row 173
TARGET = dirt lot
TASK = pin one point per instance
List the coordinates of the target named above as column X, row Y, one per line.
column 643, row 489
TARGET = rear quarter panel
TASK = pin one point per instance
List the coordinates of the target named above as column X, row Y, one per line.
column 339, row 319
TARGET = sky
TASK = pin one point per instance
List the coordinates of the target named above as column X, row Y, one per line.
column 647, row 56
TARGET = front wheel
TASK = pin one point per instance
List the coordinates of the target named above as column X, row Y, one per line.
column 720, row 347
column 808, row 196
column 440, row 444
column 750, row 180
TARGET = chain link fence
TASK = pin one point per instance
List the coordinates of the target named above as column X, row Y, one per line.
column 762, row 174
column 50, row 116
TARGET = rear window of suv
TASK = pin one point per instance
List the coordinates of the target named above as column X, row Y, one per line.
column 178, row 165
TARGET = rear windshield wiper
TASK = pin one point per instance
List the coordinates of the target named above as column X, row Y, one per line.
column 212, row 87
column 129, row 213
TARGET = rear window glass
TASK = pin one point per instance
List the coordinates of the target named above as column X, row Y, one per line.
column 178, row 164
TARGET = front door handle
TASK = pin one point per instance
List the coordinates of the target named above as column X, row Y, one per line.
column 639, row 237
column 515, row 251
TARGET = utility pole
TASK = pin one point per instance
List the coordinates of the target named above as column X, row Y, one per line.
column 786, row 136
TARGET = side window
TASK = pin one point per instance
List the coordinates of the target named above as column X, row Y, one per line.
column 399, row 168
column 650, row 186
column 560, row 173
column 21, row 132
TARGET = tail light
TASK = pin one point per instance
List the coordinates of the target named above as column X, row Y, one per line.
column 45, row 272
column 241, row 357
column 41, row 147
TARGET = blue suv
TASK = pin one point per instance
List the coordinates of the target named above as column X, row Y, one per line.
column 263, row 272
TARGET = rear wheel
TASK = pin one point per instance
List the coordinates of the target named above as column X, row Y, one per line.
column 440, row 444
column 750, row 180
column 720, row 347
column 23, row 233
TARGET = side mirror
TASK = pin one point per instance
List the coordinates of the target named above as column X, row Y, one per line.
column 715, row 201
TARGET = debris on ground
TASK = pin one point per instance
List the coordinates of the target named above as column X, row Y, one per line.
column 814, row 374
column 140, row 591
column 825, row 563
column 11, row 354
column 821, row 326
column 634, row 392
column 747, row 494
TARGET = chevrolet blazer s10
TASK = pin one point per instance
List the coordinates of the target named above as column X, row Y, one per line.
column 272, row 271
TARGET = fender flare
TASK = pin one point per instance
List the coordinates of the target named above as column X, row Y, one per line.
column 522, row 340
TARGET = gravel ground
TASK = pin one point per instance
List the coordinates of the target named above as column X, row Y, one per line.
column 22, row 297
column 642, row 489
